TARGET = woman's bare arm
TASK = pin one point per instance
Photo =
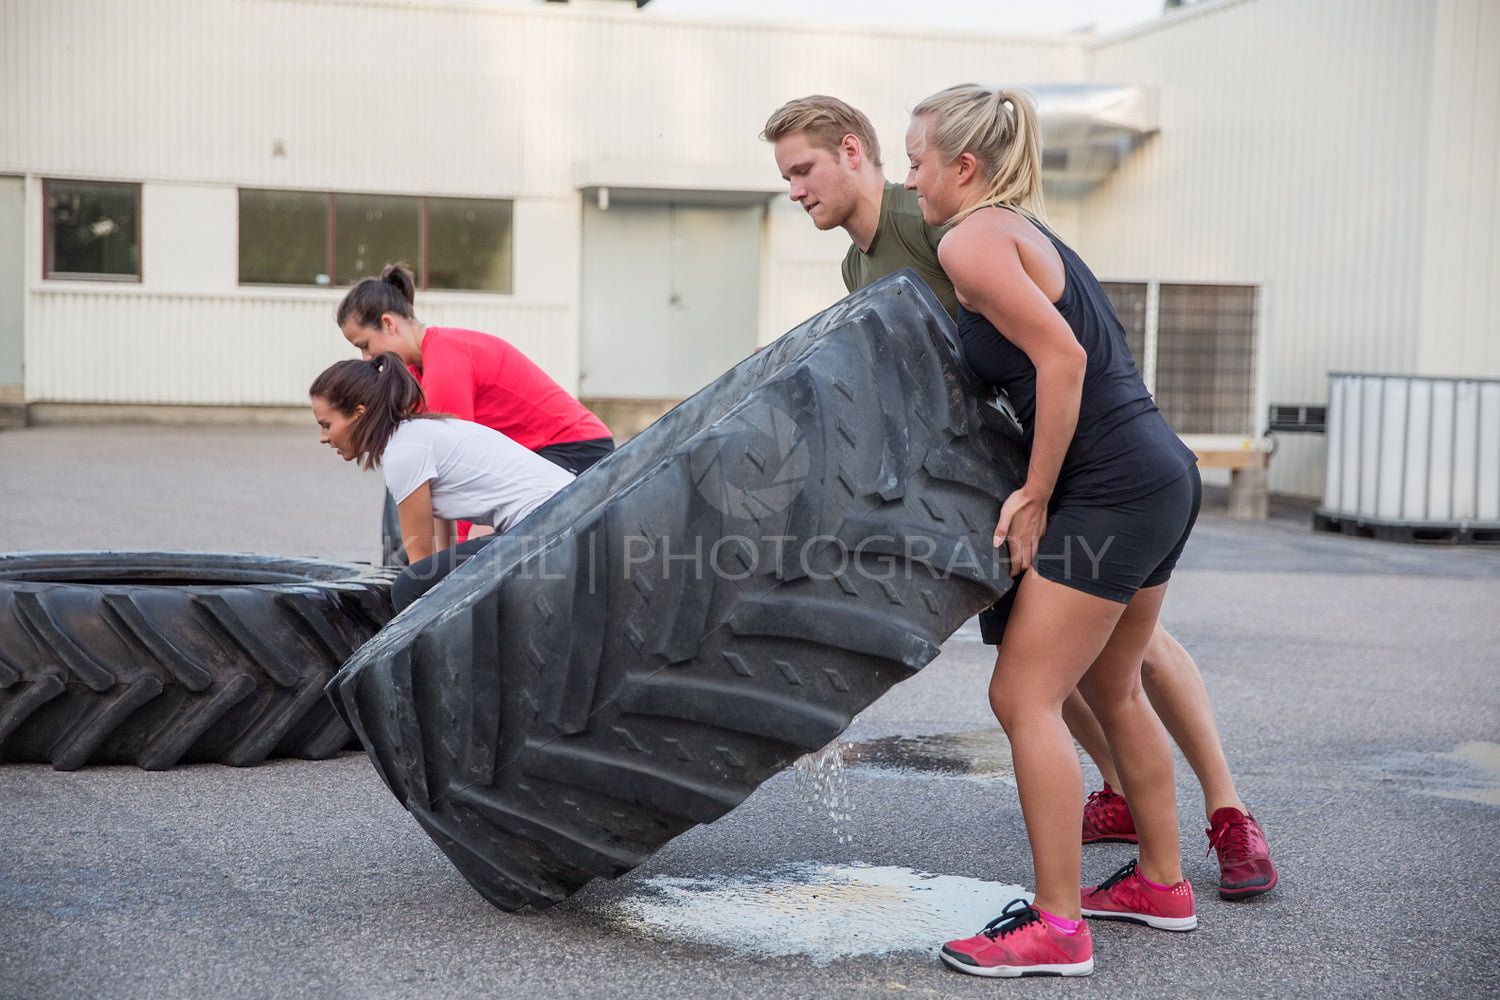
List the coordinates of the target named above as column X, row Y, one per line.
column 984, row 257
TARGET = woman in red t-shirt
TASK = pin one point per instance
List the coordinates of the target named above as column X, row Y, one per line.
column 473, row 375
column 470, row 375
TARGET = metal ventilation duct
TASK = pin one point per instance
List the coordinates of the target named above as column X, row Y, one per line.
column 1088, row 129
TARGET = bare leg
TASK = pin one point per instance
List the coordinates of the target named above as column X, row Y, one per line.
column 1142, row 752
column 1087, row 732
column 1055, row 636
column 1176, row 690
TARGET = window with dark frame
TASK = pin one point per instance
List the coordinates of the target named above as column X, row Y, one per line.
column 283, row 238
column 92, row 230
column 324, row 238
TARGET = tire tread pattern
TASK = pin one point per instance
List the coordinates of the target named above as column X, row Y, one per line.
column 122, row 658
column 581, row 691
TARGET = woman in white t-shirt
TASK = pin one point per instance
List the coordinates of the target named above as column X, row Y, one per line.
column 438, row 468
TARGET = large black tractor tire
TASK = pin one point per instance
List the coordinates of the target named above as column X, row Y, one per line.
column 161, row 658
column 716, row 598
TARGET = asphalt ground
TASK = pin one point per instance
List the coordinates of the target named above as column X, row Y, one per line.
column 1355, row 684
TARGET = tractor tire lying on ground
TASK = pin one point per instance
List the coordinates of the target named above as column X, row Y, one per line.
column 161, row 658
column 718, row 597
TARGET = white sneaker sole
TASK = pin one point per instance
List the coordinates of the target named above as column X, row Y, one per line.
column 1083, row 968
column 1160, row 923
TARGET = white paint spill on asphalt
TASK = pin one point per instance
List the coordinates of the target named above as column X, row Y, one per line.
column 1484, row 758
column 825, row 912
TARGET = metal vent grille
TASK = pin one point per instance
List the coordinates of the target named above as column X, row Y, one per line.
column 1197, row 353
column 1129, row 299
column 1205, row 358
column 1297, row 417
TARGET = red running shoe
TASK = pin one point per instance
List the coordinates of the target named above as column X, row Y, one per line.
column 1020, row 942
column 1107, row 819
column 1245, row 867
column 1127, row 896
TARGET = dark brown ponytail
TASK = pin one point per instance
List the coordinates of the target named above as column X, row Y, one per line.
column 386, row 390
column 395, row 291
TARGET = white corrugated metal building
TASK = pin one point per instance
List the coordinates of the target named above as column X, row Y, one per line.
column 1320, row 191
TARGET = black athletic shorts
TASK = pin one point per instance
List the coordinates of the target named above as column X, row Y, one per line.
column 575, row 456
column 1110, row 551
column 420, row 577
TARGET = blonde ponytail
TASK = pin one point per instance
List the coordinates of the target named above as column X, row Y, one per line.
column 1001, row 130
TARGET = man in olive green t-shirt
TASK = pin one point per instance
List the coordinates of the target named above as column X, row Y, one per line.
column 902, row 239
column 838, row 181
column 828, row 154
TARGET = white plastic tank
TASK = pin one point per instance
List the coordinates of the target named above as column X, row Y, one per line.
column 1413, row 458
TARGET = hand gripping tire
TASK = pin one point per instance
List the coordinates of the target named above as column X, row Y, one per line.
column 716, row 598
column 160, row 658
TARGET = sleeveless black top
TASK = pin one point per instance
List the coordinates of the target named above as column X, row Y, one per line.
column 1122, row 448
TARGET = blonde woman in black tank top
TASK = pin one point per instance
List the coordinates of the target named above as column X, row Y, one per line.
column 1107, row 480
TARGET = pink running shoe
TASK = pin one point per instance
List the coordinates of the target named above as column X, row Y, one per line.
column 1107, row 819
column 1245, row 867
column 1020, row 942
column 1126, row 896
